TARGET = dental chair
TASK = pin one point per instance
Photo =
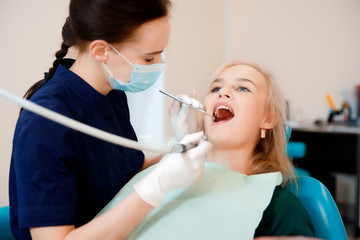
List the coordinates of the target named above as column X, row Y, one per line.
column 320, row 205
column 5, row 232
column 295, row 150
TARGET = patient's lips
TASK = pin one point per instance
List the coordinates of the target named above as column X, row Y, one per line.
column 222, row 112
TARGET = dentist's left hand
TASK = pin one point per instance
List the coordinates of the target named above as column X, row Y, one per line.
column 175, row 170
column 184, row 120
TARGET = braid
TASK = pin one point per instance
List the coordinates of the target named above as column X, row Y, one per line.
column 68, row 41
column 48, row 75
column 59, row 56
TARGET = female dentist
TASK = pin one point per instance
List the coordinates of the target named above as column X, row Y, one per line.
column 60, row 178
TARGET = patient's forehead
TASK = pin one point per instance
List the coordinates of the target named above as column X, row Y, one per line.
column 242, row 71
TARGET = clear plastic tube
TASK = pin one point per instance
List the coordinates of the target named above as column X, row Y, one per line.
column 81, row 127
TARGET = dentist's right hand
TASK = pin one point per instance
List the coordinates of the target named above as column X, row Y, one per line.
column 174, row 171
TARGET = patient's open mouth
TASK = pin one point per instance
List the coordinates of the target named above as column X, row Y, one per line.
column 222, row 113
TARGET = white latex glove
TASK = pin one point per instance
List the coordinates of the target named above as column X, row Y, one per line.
column 174, row 171
column 184, row 120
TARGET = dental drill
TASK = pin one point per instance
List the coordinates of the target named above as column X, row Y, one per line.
column 81, row 127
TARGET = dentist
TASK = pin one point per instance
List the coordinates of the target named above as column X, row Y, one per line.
column 60, row 178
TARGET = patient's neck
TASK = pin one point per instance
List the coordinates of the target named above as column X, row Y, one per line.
column 236, row 159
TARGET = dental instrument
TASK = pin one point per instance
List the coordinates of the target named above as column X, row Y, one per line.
column 81, row 127
column 179, row 100
column 179, row 148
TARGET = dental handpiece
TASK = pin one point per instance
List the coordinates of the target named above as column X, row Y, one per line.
column 179, row 100
column 181, row 148
column 81, row 127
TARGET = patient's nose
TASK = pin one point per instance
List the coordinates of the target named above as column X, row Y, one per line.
column 225, row 92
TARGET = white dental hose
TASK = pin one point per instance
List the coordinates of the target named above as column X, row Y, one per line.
column 81, row 127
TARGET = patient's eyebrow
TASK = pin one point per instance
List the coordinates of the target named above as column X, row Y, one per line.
column 217, row 80
column 238, row 80
column 245, row 80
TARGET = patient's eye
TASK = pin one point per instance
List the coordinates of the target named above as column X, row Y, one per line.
column 243, row 89
column 215, row 89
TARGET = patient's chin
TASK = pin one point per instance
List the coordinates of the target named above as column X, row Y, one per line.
column 220, row 139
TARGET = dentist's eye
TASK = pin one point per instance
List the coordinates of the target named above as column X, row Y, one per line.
column 149, row 59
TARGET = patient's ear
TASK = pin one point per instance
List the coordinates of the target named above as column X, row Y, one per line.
column 269, row 121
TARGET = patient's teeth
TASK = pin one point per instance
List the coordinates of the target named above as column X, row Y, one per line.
column 223, row 107
column 219, row 115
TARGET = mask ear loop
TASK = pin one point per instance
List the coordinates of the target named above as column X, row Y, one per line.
column 122, row 56
column 107, row 69
column 112, row 76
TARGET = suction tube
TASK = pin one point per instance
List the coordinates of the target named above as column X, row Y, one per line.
column 81, row 127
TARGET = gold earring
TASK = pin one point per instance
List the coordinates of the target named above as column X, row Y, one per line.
column 262, row 133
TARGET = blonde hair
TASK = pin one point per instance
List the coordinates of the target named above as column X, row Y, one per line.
column 270, row 152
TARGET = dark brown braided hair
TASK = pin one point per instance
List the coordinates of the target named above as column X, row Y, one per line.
column 110, row 20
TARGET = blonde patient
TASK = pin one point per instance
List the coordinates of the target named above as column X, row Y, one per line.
column 240, row 195
column 248, row 136
column 248, row 132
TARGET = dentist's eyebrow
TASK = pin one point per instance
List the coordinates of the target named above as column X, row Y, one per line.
column 154, row 53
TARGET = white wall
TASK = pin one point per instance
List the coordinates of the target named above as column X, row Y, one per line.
column 30, row 35
column 311, row 47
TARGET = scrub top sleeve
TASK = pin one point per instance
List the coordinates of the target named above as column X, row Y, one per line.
column 45, row 173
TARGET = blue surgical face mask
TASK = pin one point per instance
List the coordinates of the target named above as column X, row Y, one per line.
column 142, row 76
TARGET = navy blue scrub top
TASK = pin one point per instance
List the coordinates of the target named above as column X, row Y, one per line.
column 59, row 176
